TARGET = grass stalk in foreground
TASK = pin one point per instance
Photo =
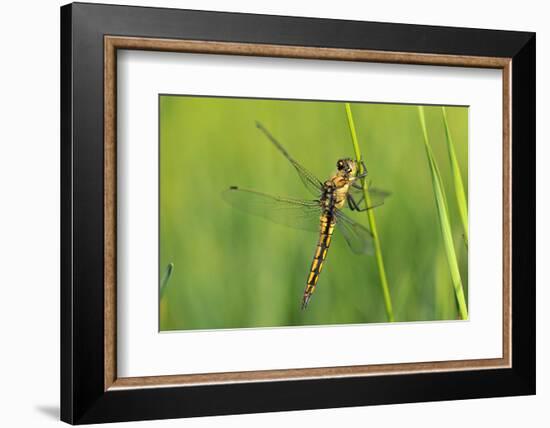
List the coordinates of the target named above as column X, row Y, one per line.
column 457, row 179
column 444, row 221
column 165, row 278
column 372, row 221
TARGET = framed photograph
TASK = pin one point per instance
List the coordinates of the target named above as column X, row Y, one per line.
column 265, row 213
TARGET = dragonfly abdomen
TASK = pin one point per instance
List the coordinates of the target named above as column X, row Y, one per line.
column 327, row 228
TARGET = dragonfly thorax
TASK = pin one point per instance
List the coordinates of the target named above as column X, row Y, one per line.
column 337, row 187
column 327, row 199
column 334, row 193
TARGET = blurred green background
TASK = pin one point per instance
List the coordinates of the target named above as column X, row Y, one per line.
column 233, row 270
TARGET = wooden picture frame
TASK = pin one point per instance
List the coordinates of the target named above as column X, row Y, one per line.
column 91, row 391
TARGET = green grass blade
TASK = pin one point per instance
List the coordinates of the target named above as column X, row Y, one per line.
column 372, row 221
column 166, row 278
column 457, row 179
column 444, row 221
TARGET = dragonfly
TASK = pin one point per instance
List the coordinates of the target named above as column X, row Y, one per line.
column 322, row 214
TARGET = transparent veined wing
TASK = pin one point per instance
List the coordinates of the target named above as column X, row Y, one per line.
column 357, row 236
column 296, row 213
column 376, row 196
column 313, row 184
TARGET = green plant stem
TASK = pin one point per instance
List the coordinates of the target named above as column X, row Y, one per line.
column 372, row 220
column 444, row 222
column 457, row 179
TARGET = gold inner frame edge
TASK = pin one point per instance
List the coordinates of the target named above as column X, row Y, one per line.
column 113, row 43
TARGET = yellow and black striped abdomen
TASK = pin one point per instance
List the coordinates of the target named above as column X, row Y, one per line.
column 326, row 229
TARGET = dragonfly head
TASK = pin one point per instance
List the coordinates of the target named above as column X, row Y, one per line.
column 347, row 167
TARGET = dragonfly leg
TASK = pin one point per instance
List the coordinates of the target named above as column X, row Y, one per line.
column 364, row 169
column 356, row 185
column 355, row 205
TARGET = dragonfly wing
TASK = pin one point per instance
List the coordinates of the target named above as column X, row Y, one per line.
column 376, row 196
column 295, row 213
column 310, row 181
column 357, row 236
